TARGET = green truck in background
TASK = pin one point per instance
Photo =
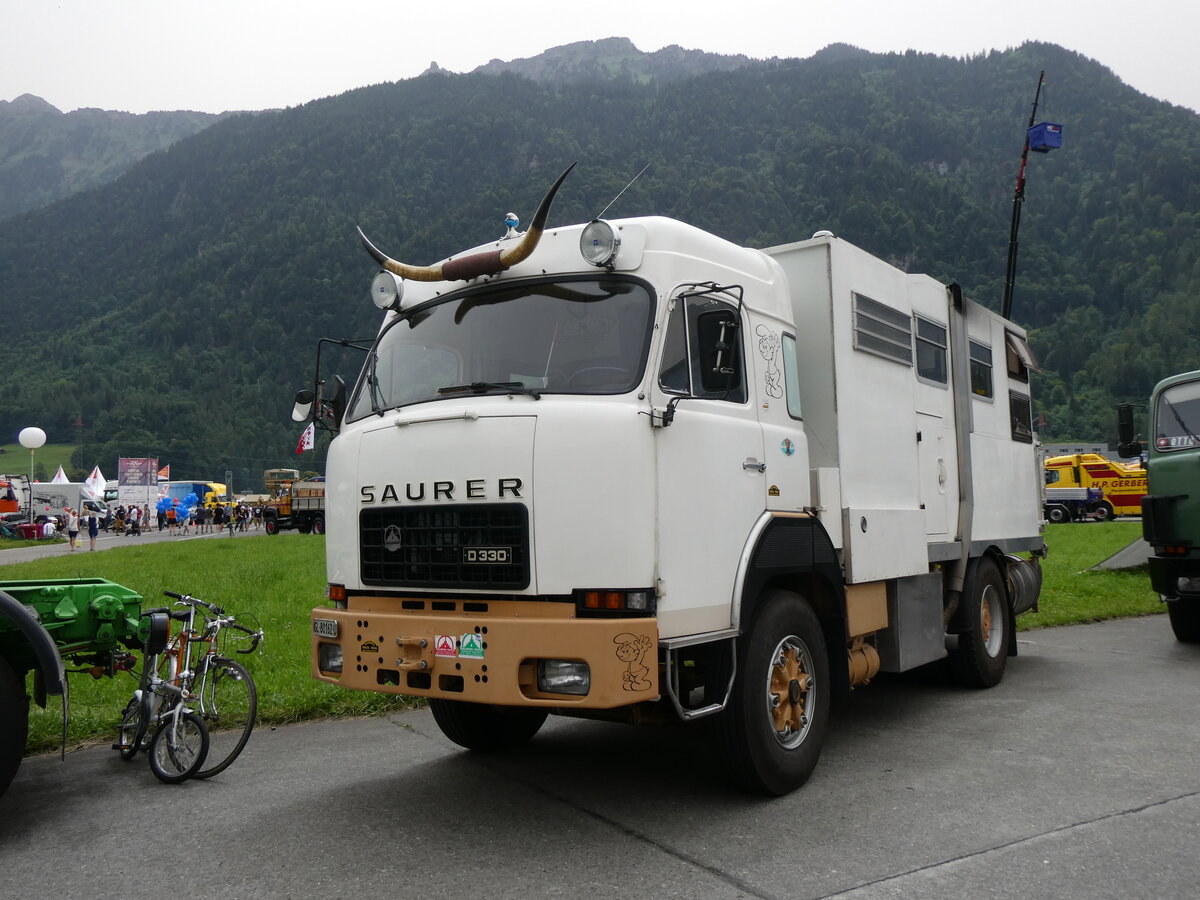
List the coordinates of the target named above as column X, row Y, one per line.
column 1171, row 508
column 84, row 620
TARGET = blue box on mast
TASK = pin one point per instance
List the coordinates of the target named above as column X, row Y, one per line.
column 1044, row 137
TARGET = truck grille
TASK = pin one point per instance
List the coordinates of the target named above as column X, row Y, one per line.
column 470, row 546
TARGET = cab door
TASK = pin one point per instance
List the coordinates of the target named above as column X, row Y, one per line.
column 709, row 460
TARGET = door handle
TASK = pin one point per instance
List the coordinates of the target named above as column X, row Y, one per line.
column 755, row 465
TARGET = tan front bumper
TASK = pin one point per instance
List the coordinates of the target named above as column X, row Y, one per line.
column 490, row 658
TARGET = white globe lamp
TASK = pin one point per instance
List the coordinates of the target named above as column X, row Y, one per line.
column 32, row 437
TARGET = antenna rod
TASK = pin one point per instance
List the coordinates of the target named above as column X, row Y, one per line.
column 1010, row 274
column 623, row 190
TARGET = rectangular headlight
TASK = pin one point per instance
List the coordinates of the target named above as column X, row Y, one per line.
column 329, row 657
column 1188, row 585
column 564, row 676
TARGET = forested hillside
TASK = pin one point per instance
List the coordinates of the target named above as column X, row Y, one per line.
column 46, row 154
column 176, row 310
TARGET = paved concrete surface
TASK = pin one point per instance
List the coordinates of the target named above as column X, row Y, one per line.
column 1129, row 557
column 1076, row 777
column 106, row 541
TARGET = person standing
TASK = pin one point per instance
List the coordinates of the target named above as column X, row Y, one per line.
column 72, row 527
column 93, row 524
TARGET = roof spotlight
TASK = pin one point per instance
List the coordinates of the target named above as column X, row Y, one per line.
column 599, row 243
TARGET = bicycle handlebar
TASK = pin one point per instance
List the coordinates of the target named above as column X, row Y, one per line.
column 194, row 601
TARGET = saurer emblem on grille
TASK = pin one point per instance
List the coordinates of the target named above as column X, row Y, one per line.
column 391, row 538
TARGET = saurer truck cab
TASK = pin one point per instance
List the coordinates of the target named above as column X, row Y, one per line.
column 636, row 474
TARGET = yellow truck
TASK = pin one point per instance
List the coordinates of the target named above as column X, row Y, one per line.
column 299, row 505
column 1121, row 485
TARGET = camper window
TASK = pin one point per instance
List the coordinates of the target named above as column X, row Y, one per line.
column 981, row 370
column 1022, row 418
column 931, row 351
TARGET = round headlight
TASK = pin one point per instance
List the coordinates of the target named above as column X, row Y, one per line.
column 599, row 243
column 386, row 291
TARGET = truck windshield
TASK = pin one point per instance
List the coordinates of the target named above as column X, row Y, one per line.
column 576, row 336
column 1177, row 417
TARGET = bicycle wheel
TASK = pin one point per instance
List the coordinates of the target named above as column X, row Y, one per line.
column 132, row 730
column 178, row 747
column 228, row 705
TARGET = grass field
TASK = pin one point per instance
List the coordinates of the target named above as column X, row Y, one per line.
column 279, row 579
column 14, row 459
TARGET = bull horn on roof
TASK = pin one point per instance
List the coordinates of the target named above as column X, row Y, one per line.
column 488, row 263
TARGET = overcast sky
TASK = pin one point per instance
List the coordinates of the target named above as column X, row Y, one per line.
column 215, row 55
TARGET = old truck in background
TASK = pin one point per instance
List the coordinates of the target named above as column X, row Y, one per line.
column 1171, row 509
column 296, row 504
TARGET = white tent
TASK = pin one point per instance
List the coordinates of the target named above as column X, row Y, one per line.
column 96, row 482
column 60, row 477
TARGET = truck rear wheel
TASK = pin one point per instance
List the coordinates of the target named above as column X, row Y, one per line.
column 1057, row 513
column 982, row 651
column 14, row 723
column 485, row 728
column 318, row 525
column 773, row 729
column 271, row 525
column 1185, row 620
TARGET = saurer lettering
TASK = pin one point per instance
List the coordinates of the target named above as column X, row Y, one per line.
column 415, row 492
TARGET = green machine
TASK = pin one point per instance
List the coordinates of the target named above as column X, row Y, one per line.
column 86, row 620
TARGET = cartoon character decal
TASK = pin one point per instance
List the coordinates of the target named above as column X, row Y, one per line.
column 631, row 649
column 768, row 348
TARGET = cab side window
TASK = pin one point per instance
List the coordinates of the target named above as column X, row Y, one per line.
column 702, row 351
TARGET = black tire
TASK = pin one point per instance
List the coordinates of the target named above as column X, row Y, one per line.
column 131, row 733
column 1057, row 513
column 1185, row 620
column 1104, row 512
column 772, row 732
column 318, row 525
column 484, row 728
column 176, row 757
column 271, row 525
column 982, row 652
column 14, row 723
column 228, row 704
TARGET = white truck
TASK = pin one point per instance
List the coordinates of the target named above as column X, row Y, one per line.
column 52, row 499
column 645, row 473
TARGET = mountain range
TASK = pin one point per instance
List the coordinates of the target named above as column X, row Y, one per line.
column 176, row 307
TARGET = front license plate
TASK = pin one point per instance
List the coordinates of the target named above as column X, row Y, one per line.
column 325, row 627
column 487, row 556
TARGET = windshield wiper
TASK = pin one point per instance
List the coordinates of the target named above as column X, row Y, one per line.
column 482, row 387
column 373, row 385
column 1179, row 419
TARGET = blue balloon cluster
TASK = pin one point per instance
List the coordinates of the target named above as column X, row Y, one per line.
column 184, row 509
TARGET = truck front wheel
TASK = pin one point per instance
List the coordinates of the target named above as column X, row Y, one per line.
column 1185, row 620
column 773, row 729
column 14, row 723
column 485, row 728
column 982, row 650
column 271, row 525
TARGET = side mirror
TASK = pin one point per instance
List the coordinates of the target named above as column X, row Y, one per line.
column 303, row 408
column 337, row 403
column 1127, row 447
